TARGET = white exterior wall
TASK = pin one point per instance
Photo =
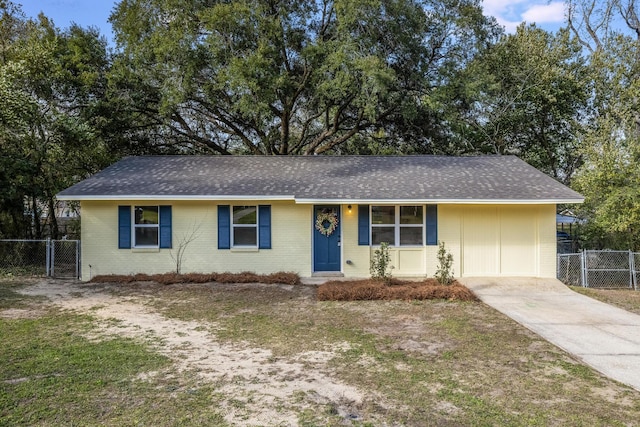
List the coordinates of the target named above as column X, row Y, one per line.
column 351, row 251
column 548, row 243
column 485, row 240
column 413, row 261
column 290, row 238
column 450, row 232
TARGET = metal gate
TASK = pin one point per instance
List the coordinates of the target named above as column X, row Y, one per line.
column 64, row 258
column 53, row 258
column 600, row 269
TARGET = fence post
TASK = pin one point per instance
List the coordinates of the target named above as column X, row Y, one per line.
column 47, row 257
column 77, row 259
column 52, row 244
column 632, row 270
column 583, row 261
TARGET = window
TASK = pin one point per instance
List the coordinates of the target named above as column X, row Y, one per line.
column 397, row 225
column 383, row 228
column 238, row 226
column 146, row 226
column 245, row 226
column 411, row 225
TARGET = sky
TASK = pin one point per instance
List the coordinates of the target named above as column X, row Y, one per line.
column 547, row 14
column 85, row 13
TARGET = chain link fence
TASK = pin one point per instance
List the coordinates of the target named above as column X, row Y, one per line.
column 23, row 257
column 64, row 258
column 570, row 269
column 600, row 269
column 54, row 258
column 635, row 271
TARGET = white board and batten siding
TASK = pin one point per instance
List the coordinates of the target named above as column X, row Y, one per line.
column 500, row 240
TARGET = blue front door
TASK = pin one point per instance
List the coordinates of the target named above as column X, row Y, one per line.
column 326, row 238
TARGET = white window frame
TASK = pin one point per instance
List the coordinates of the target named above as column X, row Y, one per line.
column 234, row 226
column 397, row 226
column 134, row 226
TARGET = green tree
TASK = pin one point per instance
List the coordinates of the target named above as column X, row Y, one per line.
column 610, row 141
column 49, row 81
column 526, row 95
column 610, row 181
column 286, row 77
column 595, row 23
column 610, row 177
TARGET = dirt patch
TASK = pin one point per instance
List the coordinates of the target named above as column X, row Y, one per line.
column 262, row 386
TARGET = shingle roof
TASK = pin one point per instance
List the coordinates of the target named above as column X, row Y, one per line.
column 324, row 178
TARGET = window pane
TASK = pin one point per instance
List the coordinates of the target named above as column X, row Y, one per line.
column 146, row 236
column 146, row 214
column 410, row 214
column 383, row 214
column 383, row 234
column 410, row 236
column 244, row 215
column 245, row 236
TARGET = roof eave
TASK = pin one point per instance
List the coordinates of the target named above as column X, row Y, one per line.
column 103, row 197
column 444, row 201
column 310, row 201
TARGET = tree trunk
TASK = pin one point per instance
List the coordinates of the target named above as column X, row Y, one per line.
column 36, row 225
column 53, row 221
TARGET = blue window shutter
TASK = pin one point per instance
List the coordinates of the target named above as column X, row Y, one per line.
column 124, row 227
column 432, row 224
column 165, row 226
column 264, row 224
column 363, row 225
column 224, row 227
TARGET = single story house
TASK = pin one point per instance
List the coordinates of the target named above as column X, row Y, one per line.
column 319, row 215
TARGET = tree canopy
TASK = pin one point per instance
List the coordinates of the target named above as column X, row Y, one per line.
column 281, row 77
column 49, row 81
column 610, row 138
column 526, row 95
column 288, row 77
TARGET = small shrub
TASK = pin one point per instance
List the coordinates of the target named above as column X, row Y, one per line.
column 381, row 263
column 444, row 273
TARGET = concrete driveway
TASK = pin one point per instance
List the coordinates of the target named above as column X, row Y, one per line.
column 604, row 337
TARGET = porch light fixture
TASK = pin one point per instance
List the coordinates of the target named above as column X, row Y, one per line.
column 349, row 207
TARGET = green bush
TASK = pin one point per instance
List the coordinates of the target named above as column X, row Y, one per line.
column 381, row 263
column 444, row 273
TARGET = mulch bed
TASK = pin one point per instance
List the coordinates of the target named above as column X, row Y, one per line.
column 370, row 289
column 172, row 278
column 351, row 290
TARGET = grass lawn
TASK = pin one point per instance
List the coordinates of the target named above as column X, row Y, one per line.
column 403, row 362
column 627, row 299
column 51, row 374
